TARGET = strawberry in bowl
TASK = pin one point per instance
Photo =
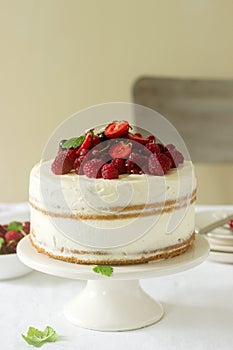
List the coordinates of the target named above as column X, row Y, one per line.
column 10, row 235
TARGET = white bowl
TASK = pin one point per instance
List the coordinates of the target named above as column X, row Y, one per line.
column 10, row 265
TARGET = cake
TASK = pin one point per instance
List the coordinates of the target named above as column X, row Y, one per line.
column 130, row 195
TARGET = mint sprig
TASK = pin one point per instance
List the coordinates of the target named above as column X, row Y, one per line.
column 37, row 338
column 74, row 142
column 104, row 270
column 15, row 226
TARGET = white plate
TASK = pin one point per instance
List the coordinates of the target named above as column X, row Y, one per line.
column 205, row 218
column 220, row 239
column 221, row 257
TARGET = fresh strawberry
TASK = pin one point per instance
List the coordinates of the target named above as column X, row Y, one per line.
column 120, row 150
column 116, row 129
column 95, row 140
column 109, row 171
column 13, row 236
column 136, row 138
column 87, row 143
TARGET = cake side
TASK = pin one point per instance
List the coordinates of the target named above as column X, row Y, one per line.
column 160, row 205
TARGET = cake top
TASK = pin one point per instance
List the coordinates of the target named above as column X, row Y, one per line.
column 113, row 151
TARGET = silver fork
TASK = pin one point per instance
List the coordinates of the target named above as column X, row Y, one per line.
column 215, row 225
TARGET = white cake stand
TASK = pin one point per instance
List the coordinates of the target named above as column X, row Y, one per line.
column 116, row 303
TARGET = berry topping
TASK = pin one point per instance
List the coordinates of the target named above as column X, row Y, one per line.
column 109, row 171
column 87, row 143
column 159, row 164
column 62, row 164
column 153, row 147
column 116, row 129
column 137, row 138
column 176, row 157
column 128, row 152
column 151, row 138
column 120, row 150
column 92, row 168
column 11, row 234
column 138, row 159
column 119, row 163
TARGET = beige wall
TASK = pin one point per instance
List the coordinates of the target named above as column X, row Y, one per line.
column 58, row 56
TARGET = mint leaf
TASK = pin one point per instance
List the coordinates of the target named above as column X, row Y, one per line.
column 104, row 270
column 1, row 242
column 73, row 143
column 15, row 226
column 37, row 338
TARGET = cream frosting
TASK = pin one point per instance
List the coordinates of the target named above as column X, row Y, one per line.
column 76, row 213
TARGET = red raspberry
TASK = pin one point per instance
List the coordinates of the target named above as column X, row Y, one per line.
column 71, row 154
column 161, row 147
column 153, row 147
column 176, row 157
column 10, row 248
column 62, row 164
column 159, row 164
column 135, row 171
column 231, row 224
column 92, row 168
column 119, row 164
column 129, row 165
column 151, row 138
column 77, row 164
column 26, row 227
column 139, row 160
column 109, row 172
column 13, row 236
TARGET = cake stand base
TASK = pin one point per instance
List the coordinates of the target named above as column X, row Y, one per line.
column 113, row 306
column 116, row 303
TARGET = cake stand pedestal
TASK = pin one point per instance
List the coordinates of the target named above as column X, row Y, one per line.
column 116, row 303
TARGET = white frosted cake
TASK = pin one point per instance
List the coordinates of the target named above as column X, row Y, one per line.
column 156, row 211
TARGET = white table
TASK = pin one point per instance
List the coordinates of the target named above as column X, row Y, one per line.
column 198, row 312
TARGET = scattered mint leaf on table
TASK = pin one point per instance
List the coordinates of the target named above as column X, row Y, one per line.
column 73, row 143
column 37, row 338
column 15, row 226
column 1, row 242
column 104, row 270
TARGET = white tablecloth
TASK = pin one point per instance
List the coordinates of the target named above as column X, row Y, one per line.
column 198, row 312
